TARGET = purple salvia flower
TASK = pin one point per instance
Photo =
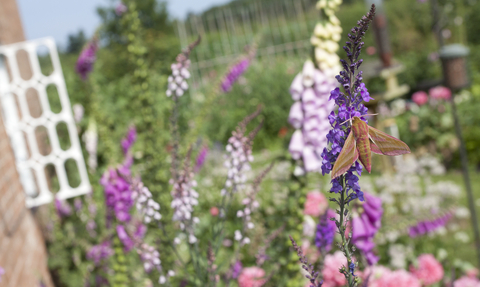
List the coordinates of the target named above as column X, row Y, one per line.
column 366, row 225
column 98, row 253
column 236, row 269
column 63, row 208
column 233, row 74
column 129, row 140
column 349, row 105
column 202, row 156
column 427, row 226
column 325, row 232
column 86, row 59
column 120, row 9
column 125, row 238
column 309, row 115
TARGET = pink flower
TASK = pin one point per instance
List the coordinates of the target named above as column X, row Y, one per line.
column 440, row 93
column 466, row 282
column 296, row 145
column 472, row 273
column 251, row 277
column 398, row 278
column 420, row 98
column 373, row 274
column 429, row 270
column 214, row 211
column 315, row 204
column 331, row 276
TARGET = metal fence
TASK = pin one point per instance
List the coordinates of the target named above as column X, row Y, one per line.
column 278, row 27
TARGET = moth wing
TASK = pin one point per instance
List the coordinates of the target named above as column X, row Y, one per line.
column 383, row 143
column 346, row 158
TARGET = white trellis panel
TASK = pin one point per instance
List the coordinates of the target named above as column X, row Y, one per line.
column 17, row 126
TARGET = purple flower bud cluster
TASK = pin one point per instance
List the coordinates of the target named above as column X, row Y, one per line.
column 202, row 156
column 118, row 194
column 365, row 226
column 150, row 257
column 86, row 59
column 144, row 203
column 177, row 82
column 129, row 140
column 237, row 160
column 309, row 115
column 184, row 199
column 427, row 226
column 120, row 9
column 349, row 105
column 325, row 231
column 63, row 208
column 235, row 72
column 100, row 252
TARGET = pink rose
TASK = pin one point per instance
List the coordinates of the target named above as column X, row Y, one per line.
column 398, row 278
column 331, row 276
column 466, row 282
column 440, row 92
column 429, row 270
column 251, row 277
column 316, row 204
column 420, row 98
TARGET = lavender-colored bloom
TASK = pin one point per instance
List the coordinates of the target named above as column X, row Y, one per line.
column 118, row 195
column 91, row 226
column 150, row 257
column 184, row 199
column 309, row 114
column 202, row 156
column 120, row 9
column 100, row 252
column 236, row 269
column 234, row 73
column 365, row 226
column 129, row 140
column 349, row 105
column 145, row 204
column 427, row 226
column 325, row 232
column 77, row 203
column 63, row 208
column 124, row 238
column 177, row 82
column 86, row 59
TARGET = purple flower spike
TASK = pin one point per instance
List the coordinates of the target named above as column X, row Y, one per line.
column 118, row 195
column 427, row 226
column 325, row 231
column 234, row 73
column 86, row 59
column 202, row 156
column 236, row 269
column 129, row 140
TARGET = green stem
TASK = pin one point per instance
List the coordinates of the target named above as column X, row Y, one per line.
column 341, row 229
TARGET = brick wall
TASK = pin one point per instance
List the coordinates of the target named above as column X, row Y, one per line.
column 23, row 253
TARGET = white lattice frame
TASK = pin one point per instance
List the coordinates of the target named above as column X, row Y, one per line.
column 37, row 162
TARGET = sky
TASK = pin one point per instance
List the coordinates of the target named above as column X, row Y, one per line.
column 59, row 18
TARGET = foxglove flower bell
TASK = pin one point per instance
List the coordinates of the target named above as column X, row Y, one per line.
column 86, row 59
